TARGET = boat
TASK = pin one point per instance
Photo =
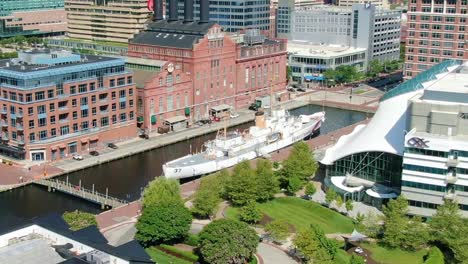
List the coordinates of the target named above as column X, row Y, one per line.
column 271, row 132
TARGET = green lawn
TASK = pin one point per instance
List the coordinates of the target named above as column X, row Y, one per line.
column 390, row 256
column 301, row 214
column 161, row 257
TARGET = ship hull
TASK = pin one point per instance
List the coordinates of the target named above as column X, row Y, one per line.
column 211, row 166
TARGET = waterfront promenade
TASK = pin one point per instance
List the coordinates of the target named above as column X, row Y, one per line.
column 24, row 172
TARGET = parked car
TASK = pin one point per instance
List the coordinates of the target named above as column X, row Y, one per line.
column 253, row 107
column 77, row 157
column 94, row 153
column 301, row 89
column 112, row 146
column 291, row 89
column 359, row 250
column 233, row 115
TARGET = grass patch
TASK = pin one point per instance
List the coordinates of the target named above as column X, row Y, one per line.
column 301, row 214
column 389, row 256
column 341, row 257
column 185, row 254
column 159, row 256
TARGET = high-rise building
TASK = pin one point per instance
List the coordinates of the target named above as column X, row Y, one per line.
column 437, row 30
column 32, row 18
column 55, row 103
column 106, row 20
column 338, row 35
column 234, row 16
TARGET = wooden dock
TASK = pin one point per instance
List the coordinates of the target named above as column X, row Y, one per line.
column 78, row 191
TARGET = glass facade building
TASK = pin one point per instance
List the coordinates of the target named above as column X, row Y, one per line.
column 234, row 15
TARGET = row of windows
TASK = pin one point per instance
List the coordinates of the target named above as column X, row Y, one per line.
column 85, row 126
column 424, row 169
column 463, row 207
column 424, row 186
column 427, row 152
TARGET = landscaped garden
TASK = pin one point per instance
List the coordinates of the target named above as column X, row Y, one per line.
column 386, row 255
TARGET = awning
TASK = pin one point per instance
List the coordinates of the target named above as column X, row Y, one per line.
column 375, row 194
column 338, row 181
column 313, row 77
column 356, row 236
column 62, row 146
column 94, row 138
column 84, row 140
column 53, row 148
column 153, row 119
column 187, row 111
column 222, row 107
column 175, row 119
column 140, row 119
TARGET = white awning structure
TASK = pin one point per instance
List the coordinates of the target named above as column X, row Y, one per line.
column 356, row 236
column 221, row 107
column 375, row 194
column 338, row 182
column 386, row 131
column 175, row 119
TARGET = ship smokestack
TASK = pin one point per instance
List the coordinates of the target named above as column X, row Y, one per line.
column 204, row 11
column 172, row 11
column 158, row 10
column 188, row 11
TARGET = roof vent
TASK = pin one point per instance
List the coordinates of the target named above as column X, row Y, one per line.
column 253, row 36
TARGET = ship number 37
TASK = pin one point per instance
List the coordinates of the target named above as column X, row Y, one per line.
column 177, row 170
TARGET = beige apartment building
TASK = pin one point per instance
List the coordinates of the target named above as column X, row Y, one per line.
column 351, row 2
column 106, row 20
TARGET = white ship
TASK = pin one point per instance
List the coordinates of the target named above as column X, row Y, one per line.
column 273, row 132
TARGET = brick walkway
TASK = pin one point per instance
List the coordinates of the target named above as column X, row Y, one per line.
column 120, row 215
column 15, row 174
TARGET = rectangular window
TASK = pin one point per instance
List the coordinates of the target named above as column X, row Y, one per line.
column 75, row 115
column 123, row 117
column 42, row 122
column 113, row 95
column 52, row 120
column 129, row 79
column 84, row 113
column 84, row 101
column 30, row 111
column 42, row 134
column 53, row 132
column 83, row 88
column 73, row 89
column 93, row 111
column 84, row 125
column 73, row 102
column 32, row 137
column 92, row 86
column 50, row 93
column 121, row 81
column 114, row 119
column 114, row 107
column 104, row 121
column 112, row 83
column 28, row 97
column 75, row 127
column 64, row 130
column 122, row 93
column 93, row 99
column 130, row 92
column 31, row 123
column 39, row 96
column 123, row 105
column 52, row 107
column 41, row 109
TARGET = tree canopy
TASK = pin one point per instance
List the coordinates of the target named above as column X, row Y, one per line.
column 209, row 194
column 315, row 247
column 78, row 220
column 300, row 163
column 162, row 191
column 278, row 230
column 163, row 223
column 266, row 181
column 227, row 242
column 241, row 187
column 343, row 74
column 250, row 213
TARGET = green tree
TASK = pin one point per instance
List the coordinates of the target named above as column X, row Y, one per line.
column 161, row 191
column 447, row 225
column 267, row 183
column 369, row 224
column 375, row 67
column 314, row 246
column 355, row 259
column 163, row 223
column 300, row 163
column 289, row 73
column 250, row 213
column 78, row 220
column 241, row 187
column 294, row 185
column 330, row 196
column 339, row 201
column 209, row 194
column 278, row 230
column 310, row 189
column 227, row 242
column 399, row 230
column 349, row 205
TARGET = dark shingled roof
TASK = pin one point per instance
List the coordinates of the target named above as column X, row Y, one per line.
column 91, row 233
column 175, row 34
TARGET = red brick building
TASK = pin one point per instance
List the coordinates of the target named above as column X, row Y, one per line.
column 163, row 96
column 219, row 66
column 56, row 103
column 437, row 30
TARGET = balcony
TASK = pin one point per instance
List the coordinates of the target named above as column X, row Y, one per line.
column 63, row 108
column 19, row 115
column 104, row 100
column 20, row 142
column 452, row 161
column 5, row 138
column 4, row 124
column 106, row 112
column 3, row 111
column 450, row 195
column 64, row 121
column 19, row 127
column 451, row 178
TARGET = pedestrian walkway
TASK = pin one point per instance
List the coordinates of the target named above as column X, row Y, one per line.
column 273, row 255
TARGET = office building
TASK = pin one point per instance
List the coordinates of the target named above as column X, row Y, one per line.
column 437, row 31
column 55, row 103
column 234, row 16
column 223, row 69
column 348, row 30
column 109, row 20
column 415, row 145
column 32, row 18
